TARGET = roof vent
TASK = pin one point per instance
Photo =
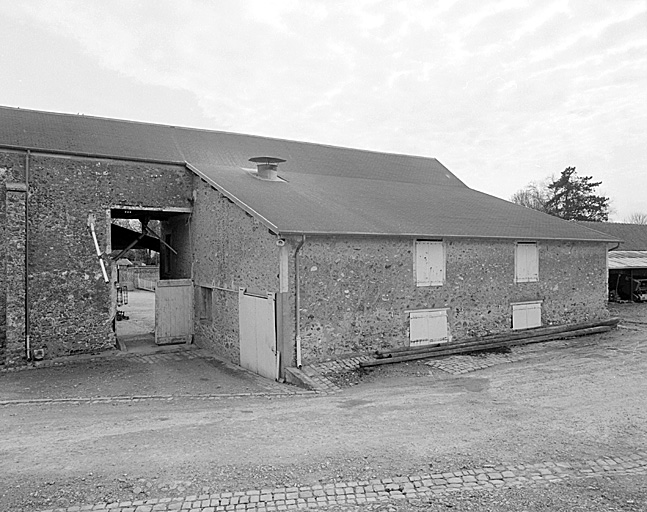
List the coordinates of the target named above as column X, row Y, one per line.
column 266, row 167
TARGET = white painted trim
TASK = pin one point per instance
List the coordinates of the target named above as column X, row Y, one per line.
column 407, row 311
column 284, row 271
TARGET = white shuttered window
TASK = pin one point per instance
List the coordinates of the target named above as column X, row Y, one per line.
column 428, row 326
column 526, row 262
column 430, row 263
column 526, row 315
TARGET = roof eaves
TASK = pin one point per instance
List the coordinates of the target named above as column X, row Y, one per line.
column 438, row 235
column 233, row 198
column 63, row 152
column 604, row 233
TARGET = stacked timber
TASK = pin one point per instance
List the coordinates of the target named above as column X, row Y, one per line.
column 495, row 341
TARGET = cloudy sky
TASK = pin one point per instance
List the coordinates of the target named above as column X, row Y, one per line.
column 501, row 92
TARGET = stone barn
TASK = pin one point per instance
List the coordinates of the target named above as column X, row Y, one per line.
column 273, row 253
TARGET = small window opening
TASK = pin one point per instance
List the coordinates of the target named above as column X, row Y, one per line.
column 206, row 305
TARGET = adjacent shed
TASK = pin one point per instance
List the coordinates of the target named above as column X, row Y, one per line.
column 627, row 261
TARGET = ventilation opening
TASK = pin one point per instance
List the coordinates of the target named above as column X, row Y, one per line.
column 267, row 167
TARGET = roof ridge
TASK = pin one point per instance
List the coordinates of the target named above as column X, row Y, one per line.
column 224, row 132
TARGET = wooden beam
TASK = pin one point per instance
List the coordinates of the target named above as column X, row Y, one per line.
column 455, row 349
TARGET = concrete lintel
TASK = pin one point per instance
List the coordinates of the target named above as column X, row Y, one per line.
column 162, row 209
column 16, row 186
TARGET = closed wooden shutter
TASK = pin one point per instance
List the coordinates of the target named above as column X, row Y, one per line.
column 526, row 263
column 430, row 263
column 526, row 315
column 427, row 327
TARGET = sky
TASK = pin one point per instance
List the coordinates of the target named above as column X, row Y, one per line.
column 503, row 93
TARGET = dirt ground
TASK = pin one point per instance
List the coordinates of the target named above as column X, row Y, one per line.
column 568, row 400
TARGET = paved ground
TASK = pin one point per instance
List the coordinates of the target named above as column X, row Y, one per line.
column 430, row 486
column 172, row 372
column 561, row 423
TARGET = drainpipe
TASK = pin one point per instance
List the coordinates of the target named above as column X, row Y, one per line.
column 27, row 324
column 297, row 300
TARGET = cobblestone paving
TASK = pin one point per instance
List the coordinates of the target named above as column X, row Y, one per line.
column 181, row 354
column 319, row 372
column 460, row 364
column 398, row 488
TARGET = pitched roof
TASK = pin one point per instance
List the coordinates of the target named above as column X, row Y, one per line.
column 633, row 236
column 326, row 189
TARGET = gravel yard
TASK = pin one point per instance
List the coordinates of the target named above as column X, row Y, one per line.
column 570, row 402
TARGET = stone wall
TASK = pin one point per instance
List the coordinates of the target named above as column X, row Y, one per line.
column 71, row 307
column 12, row 258
column 231, row 250
column 14, row 242
column 355, row 292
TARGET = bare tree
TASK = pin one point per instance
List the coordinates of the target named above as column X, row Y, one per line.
column 637, row 218
column 534, row 195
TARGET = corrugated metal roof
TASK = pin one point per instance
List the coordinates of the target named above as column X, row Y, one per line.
column 625, row 260
column 327, row 190
column 633, row 236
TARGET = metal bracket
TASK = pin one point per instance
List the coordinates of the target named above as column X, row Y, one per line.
column 91, row 220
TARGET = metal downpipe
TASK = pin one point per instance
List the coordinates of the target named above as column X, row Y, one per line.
column 297, row 301
column 27, row 313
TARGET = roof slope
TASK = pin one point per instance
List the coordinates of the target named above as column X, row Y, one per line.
column 326, row 189
column 625, row 260
column 633, row 236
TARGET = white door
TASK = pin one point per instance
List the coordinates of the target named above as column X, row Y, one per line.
column 257, row 325
column 173, row 311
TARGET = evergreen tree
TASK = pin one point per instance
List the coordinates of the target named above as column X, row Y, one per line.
column 572, row 197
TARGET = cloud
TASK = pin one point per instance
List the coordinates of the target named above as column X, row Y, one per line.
column 493, row 90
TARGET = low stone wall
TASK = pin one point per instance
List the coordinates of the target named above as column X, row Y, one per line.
column 131, row 276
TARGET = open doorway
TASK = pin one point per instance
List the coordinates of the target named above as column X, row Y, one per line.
column 148, row 247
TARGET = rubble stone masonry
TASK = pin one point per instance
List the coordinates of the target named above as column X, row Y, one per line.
column 356, row 292
column 70, row 304
column 231, row 250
